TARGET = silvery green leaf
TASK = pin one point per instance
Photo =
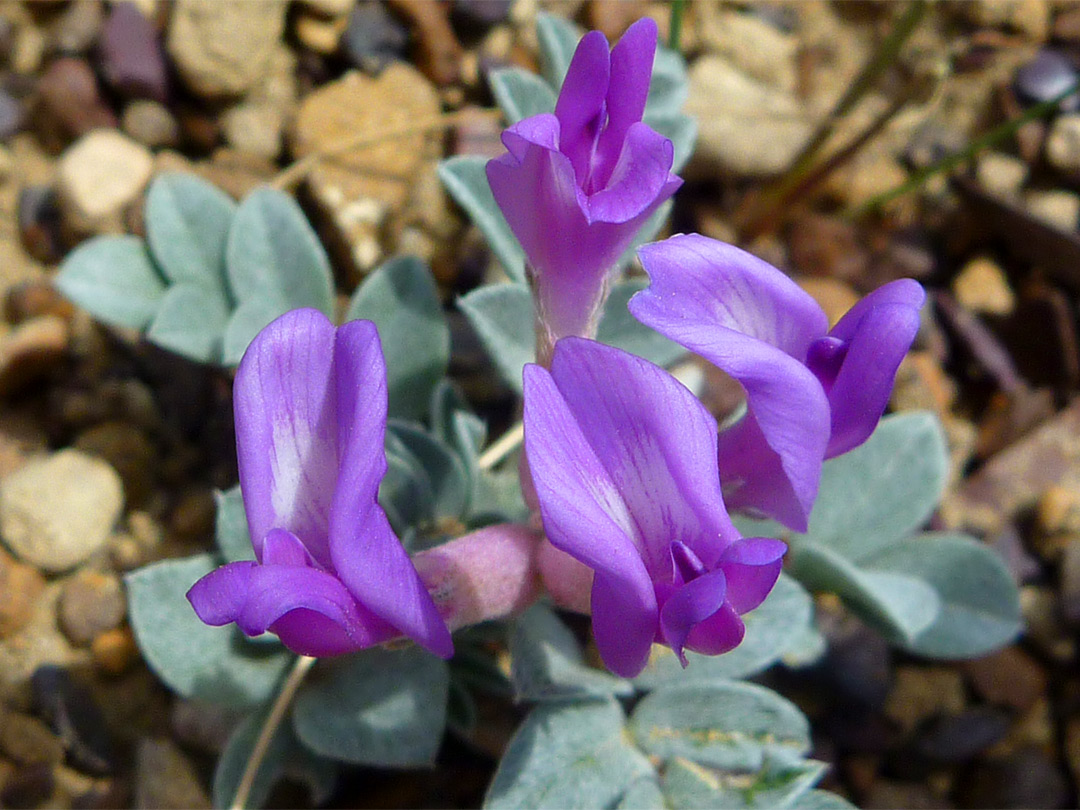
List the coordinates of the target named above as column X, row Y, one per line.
column 446, row 473
column 197, row 661
column 190, row 321
column 284, row 758
column 776, row 785
column 113, row 278
column 378, row 707
column 644, row 794
column 558, row 40
column 520, row 94
column 502, row 315
column 883, row 490
column 403, row 301
column 230, row 526
column 546, row 662
column 725, row 724
column 621, row 329
column 772, row 630
column 274, row 263
column 465, row 180
column 568, row 755
column 900, row 606
column 821, row 800
column 980, row 603
column 669, row 85
column 187, row 226
column 405, row 492
column 680, row 129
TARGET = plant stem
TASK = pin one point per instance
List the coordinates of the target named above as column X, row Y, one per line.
column 675, row 27
column 299, row 169
column 991, row 138
column 502, row 447
column 270, row 727
column 764, row 211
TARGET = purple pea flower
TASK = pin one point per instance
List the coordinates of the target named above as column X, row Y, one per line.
column 624, row 462
column 331, row 577
column 576, row 186
column 811, row 393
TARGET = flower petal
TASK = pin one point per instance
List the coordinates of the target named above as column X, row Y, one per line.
column 281, row 547
column 631, row 70
column 580, row 107
column 219, row 596
column 640, row 181
column 309, row 609
column 695, row 280
column 752, row 566
column 624, row 622
column 656, row 443
column 750, row 320
column 583, row 511
column 879, row 330
column 720, row 633
column 692, row 603
column 366, row 554
column 755, row 482
column 286, row 429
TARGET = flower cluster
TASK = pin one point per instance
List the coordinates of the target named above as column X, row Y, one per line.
column 629, row 473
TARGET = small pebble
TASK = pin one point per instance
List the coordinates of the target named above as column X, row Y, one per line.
column 982, row 286
column 132, row 58
column 57, row 511
column 1000, row 174
column 164, row 777
column 115, row 650
column 69, row 102
column 76, row 29
column 33, row 297
column 20, row 587
column 1058, row 208
column 90, row 604
column 963, row 736
column 373, row 37
column 318, row 33
column 151, row 124
column 1063, row 144
column 1009, row 677
column 12, row 115
column 98, row 177
column 1047, row 76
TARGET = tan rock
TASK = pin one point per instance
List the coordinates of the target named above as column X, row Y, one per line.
column 1056, row 207
column 222, row 49
column 354, row 105
column 982, row 286
column 31, row 350
column 57, row 511
column 20, row 587
column 745, row 127
column 318, row 33
column 752, row 44
column 1000, row 174
column 39, row 642
column 1063, row 144
column 98, row 177
column 256, row 124
column 919, row 693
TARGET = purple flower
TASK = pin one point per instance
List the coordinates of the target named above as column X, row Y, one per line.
column 623, row 459
column 811, row 393
column 577, row 186
column 331, row 576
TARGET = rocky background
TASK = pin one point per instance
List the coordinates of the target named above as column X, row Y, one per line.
column 110, row 449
